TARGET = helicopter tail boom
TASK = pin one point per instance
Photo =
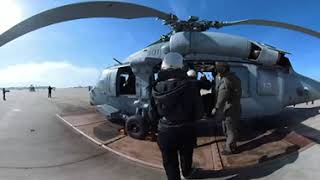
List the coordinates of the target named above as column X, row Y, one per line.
column 311, row 88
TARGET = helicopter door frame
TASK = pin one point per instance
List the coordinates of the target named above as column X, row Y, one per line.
column 110, row 81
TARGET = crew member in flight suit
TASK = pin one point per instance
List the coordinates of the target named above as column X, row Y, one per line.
column 228, row 106
column 49, row 91
column 178, row 104
column 4, row 91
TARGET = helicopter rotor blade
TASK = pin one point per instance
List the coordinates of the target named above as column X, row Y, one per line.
column 261, row 22
column 82, row 10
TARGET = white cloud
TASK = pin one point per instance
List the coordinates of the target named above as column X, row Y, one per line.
column 59, row 74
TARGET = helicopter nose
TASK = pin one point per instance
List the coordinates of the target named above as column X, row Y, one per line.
column 311, row 87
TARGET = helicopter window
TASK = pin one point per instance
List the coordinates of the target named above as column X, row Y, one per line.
column 126, row 81
column 101, row 82
column 103, row 74
column 100, row 85
column 208, row 75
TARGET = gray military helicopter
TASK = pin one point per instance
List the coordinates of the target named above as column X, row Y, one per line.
column 269, row 82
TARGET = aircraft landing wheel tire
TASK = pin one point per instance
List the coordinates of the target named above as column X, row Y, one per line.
column 136, row 127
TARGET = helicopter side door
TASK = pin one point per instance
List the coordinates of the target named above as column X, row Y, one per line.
column 121, row 89
column 117, row 82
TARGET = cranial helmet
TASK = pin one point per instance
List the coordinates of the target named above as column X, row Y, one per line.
column 172, row 60
column 191, row 73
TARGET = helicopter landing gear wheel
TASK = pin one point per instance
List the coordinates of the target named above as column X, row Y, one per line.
column 136, row 127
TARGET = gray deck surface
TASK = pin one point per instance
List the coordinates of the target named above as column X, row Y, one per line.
column 37, row 145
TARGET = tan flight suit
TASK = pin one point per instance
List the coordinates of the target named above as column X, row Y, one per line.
column 228, row 91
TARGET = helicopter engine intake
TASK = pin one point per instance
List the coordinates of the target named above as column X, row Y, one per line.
column 222, row 45
column 266, row 56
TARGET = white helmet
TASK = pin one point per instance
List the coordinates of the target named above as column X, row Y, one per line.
column 172, row 60
column 192, row 73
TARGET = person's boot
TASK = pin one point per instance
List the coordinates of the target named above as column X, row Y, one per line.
column 233, row 150
column 226, row 152
column 190, row 175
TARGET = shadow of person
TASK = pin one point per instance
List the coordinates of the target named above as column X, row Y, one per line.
column 251, row 133
column 258, row 132
column 289, row 117
column 265, row 167
column 263, row 139
column 208, row 127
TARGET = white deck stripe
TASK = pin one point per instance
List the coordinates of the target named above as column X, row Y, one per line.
column 110, row 149
column 78, row 130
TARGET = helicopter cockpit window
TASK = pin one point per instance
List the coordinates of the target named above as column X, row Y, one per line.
column 101, row 82
column 126, row 81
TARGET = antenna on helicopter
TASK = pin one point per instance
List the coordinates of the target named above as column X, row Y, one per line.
column 117, row 61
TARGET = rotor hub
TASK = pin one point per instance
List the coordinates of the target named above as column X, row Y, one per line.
column 192, row 24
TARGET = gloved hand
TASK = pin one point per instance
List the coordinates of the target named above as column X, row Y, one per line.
column 214, row 111
column 217, row 114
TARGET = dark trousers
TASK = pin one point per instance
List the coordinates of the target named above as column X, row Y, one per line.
column 49, row 95
column 208, row 103
column 174, row 141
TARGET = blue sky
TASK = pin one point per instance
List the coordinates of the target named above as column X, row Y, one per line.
column 84, row 47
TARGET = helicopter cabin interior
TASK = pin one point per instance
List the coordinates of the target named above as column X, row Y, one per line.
column 206, row 68
column 126, row 81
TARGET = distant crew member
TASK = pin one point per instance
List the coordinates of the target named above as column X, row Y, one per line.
column 49, row 91
column 178, row 104
column 227, row 106
column 4, row 91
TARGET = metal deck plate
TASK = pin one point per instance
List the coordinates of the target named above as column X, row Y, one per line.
column 258, row 146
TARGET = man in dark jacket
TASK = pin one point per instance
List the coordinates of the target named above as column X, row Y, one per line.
column 178, row 103
column 203, row 83
column 227, row 106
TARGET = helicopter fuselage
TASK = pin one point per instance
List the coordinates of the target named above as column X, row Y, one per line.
column 268, row 80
